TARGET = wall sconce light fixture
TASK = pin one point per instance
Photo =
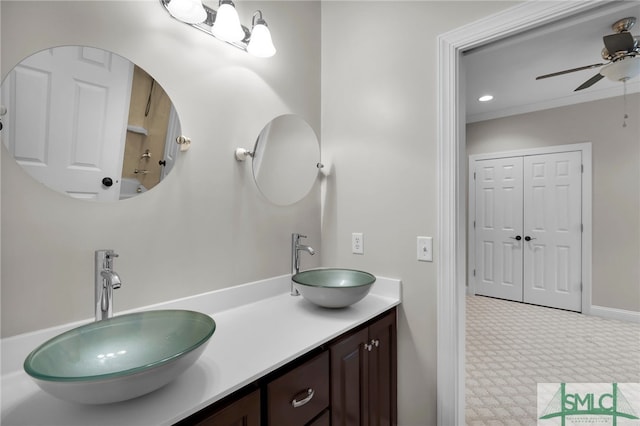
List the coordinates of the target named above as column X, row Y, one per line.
column 224, row 24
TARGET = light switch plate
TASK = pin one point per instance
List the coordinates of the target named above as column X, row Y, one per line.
column 425, row 249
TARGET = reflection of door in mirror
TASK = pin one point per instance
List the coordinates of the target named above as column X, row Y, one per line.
column 70, row 141
column 150, row 117
column 170, row 145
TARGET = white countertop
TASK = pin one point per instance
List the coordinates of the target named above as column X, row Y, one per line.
column 259, row 328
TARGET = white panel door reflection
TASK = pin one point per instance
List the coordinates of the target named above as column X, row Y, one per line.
column 67, row 113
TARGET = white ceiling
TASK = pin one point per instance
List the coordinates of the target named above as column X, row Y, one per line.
column 507, row 68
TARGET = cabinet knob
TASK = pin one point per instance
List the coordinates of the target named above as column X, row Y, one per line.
column 375, row 342
column 299, row 403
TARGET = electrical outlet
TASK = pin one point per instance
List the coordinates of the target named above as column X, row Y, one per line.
column 425, row 249
column 357, row 243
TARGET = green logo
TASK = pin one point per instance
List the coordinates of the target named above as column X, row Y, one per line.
column 595, row 403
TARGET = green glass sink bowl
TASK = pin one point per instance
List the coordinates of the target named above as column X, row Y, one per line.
column 120, row 358
column 333, row 287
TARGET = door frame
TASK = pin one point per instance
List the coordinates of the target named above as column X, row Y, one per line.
column 586, row 197
column 451, row 166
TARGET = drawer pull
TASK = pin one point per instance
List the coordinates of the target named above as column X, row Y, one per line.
column 295, row 403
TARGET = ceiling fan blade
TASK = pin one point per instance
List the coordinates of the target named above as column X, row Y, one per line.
column 621, row 42
column 593, row 80
column 553, row 74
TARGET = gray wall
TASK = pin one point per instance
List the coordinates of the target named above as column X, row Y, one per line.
column 616, row 181
column 206, row 226
column 379, row 131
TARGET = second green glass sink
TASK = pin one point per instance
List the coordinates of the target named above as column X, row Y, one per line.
column 333, row 287
column 120, row 358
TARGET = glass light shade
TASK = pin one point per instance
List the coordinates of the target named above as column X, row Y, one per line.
column 622, row 70
column 227, row 24
column 261, row 44
column 189, row 11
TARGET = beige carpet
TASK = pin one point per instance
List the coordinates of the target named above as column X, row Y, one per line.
column 511, row 347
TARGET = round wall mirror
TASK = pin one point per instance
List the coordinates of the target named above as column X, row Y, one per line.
column 285, row 159
column 88, row 123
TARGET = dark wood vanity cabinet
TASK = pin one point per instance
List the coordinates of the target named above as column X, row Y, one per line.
column 350, row 381
column 364, row 376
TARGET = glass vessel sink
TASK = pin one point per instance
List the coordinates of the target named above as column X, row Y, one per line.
column 333, row 287
column 121, row 357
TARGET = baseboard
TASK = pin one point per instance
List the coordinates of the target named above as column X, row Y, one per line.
column 613, row 313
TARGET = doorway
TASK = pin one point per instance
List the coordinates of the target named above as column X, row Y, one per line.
column 526, row 225
column 451, row 277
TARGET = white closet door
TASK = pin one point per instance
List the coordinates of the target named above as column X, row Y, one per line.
column 498, row 224
column 553, row 217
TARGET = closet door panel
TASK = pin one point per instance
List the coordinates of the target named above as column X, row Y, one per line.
column 552, row 230
column 498, row 224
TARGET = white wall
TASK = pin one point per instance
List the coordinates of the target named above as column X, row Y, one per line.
column 206, row 226
column 379, row 131
column 616, row 181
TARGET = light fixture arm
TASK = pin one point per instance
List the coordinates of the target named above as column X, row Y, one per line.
column 259, row 21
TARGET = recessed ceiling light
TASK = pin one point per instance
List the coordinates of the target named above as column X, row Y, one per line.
column 485, row 98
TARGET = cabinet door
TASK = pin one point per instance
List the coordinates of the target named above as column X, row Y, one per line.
column 243, row 412
column 349, row 380
column 383, row 372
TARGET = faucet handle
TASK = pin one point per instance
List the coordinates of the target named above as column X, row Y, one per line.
column 110, row 254
column 295, row 237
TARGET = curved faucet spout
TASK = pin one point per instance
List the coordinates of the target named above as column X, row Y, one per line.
column 112, row 278
column 111, row 281
column 308, row 249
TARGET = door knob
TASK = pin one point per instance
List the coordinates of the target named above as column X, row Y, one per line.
column 528, row 238
column 107, row 181
column 517, row 238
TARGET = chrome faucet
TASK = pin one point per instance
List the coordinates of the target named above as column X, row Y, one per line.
column 106, row 280
column 296, row 247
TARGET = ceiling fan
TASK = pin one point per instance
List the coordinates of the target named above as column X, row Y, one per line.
column 622, row 50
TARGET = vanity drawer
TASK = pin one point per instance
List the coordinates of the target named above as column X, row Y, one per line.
column 297, row 397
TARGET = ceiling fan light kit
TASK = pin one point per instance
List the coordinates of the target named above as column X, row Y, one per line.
column 622, row 70
column 622, row 50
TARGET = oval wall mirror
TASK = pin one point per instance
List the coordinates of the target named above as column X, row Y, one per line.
column 88, row 123
column 285, row 159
